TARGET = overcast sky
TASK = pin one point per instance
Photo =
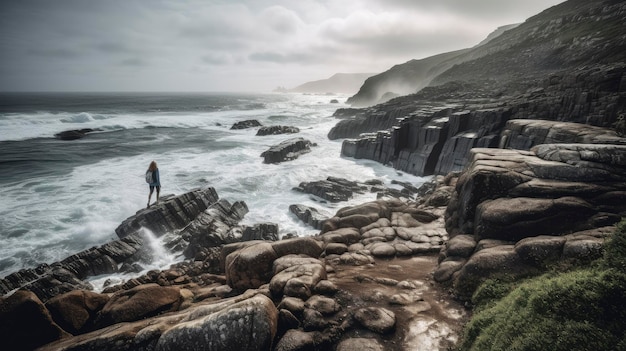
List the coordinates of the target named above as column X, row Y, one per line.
column 219, row 45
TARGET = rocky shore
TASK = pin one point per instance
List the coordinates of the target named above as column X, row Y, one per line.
column 530, row 174
column 366, row 279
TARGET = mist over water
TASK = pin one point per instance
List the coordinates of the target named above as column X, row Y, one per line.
column 61, row 197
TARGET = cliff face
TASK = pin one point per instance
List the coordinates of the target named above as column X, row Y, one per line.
column 512, row 58
column 566, row 64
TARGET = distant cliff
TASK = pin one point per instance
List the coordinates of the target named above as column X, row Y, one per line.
column 565, row 64
column 414, row 75
column 342, row 83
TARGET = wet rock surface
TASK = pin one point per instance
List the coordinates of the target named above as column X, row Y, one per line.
column 287, row 150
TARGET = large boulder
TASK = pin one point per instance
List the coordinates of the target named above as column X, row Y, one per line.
column 76, row 310
column 25, row 323
column 248, row 325
column 253, row 265
column 143, row 301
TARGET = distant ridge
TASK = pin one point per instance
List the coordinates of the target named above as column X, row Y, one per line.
column 342, row 83
column 414, row 75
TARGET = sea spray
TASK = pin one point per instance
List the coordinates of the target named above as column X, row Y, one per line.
column 152, row 256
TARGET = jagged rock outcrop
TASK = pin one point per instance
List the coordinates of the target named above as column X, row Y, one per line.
column 214, row 227
column 251, row 123
column 287, row 150
column 309, row 215
column 207, row 221
column 274, row 130
column 333, row 189
column 172, row 213
column 515, row 211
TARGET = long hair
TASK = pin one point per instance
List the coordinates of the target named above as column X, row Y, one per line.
column 153, row 166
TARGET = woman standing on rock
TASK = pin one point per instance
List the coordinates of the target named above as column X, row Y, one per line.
column 153, row 179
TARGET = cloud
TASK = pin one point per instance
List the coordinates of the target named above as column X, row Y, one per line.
column 134, row 62
column 207, row 45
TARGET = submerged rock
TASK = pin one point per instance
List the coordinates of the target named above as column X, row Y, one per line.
column 251, row 123
column 274, row 130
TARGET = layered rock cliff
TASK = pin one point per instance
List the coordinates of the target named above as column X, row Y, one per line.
column 566, row 64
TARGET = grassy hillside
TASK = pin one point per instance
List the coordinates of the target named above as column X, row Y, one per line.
column 578, row 309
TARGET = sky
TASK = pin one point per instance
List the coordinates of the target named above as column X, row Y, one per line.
column 241, row 45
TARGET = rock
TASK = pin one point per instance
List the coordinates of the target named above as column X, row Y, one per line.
column 382, row 250
column 514, row 219
column 297, row 340
column 247, row 325
column 362, row 344
column 335, row 248
column 251, row 123
column 298, row 280
column 447, row 268
column 523, row 134
column 25, row 323
column 274, row 130
column 292, row 304
column 215, row 227
column 76, row 310
column 261, row 231
column 75, row 134
column 252, row 266
column 314, row 320
column 143, row 301
column 461, row 246
column 309, row 215
column 440, row 197
column 586, row 249
column 489, row 263
column 170, row 213
column 332, row 189
column 287, row 150
column 325, row 287
column 344, row 236
column 378, row 320
column 286, row 321
column 298, row 246
column 540, row 250
column 326, row 306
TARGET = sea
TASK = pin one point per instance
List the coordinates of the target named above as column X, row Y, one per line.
column 60, row 197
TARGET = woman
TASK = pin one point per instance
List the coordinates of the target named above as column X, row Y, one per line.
column 156, row 181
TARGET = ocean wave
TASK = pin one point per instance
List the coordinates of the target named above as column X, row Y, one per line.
column 82, row 117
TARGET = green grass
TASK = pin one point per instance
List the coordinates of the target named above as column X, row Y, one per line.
column 581, row 309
